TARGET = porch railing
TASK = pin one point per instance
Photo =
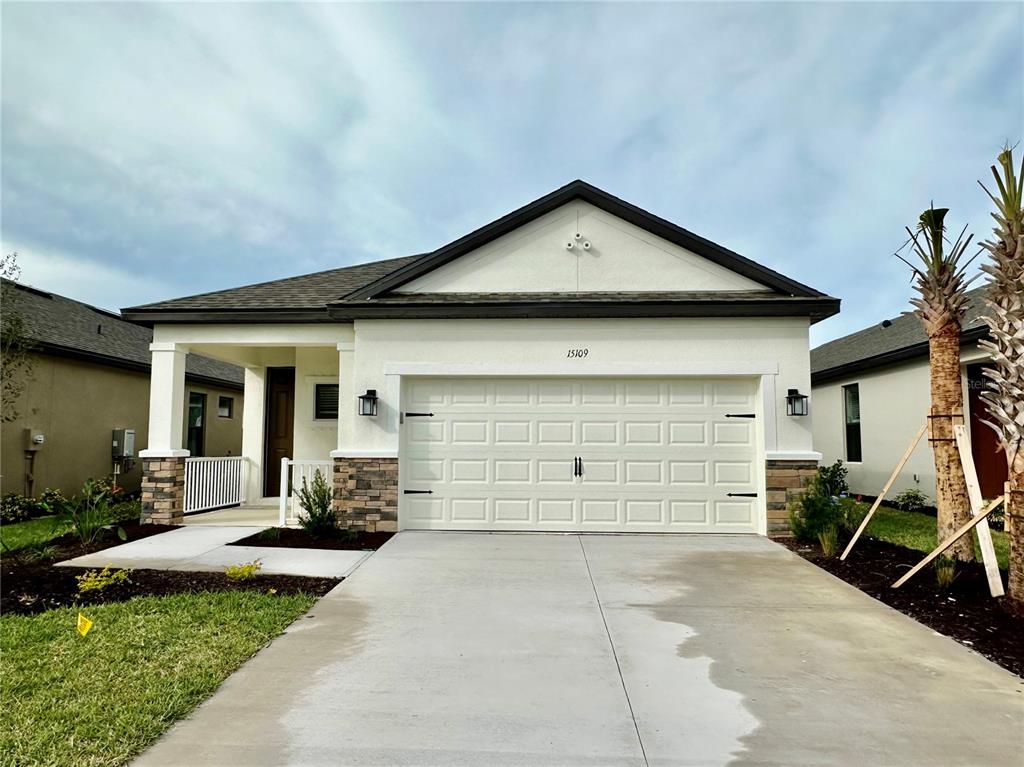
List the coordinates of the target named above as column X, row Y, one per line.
column 292, row 474
column 214, row 483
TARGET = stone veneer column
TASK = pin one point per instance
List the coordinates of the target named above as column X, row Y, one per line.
column 163, row 490
column 366, row 494
column 783, row 480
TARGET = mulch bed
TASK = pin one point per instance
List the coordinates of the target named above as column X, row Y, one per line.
column 294, row 538
column 966, row 611
column 27, row 587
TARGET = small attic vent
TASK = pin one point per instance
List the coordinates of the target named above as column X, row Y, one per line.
column 886, row 323
column 99, row 329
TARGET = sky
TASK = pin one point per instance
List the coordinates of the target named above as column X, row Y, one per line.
column 157, row 150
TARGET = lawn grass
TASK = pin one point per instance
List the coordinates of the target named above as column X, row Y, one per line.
column 35, row 531
column 102, row 698
column 917, row 531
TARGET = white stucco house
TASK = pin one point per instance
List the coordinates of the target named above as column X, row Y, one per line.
column 576, row 365
column 871, row 394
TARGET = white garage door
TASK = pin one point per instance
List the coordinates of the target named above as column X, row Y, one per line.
column 638, row 455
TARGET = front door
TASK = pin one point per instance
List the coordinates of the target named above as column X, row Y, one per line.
column 196, row 424
column 280, row 426
column 989, row 459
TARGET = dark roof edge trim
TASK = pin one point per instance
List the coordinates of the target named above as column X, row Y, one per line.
column 815, row 308
column 123, row 364
column 150, row 317
column 914, row 351
column 606, row 202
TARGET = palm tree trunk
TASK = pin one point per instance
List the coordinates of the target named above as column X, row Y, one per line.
column 948, row 397
column 1015, row 532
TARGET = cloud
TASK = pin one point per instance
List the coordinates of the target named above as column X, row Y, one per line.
column 193, row 147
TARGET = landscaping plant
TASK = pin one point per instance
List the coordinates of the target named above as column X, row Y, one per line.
column 828, row 539
column 89, row 514
column 100, row 580
column 243, row 572
column 941, row 283
column 1005, row 319
column 910, row 500
column 815, row 510
column 945, row 572
column 833, row 478
column 316, row 499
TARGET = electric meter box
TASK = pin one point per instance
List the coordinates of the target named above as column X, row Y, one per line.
column 123, row 444
column 34, row 440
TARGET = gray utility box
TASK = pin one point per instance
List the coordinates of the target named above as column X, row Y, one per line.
column 123, row 444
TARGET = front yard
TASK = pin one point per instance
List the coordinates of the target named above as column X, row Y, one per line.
column 917, row 531
column 102, row 698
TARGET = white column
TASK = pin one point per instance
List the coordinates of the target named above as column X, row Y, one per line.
column 252, row 429
column 166, row 401
column 346, row 397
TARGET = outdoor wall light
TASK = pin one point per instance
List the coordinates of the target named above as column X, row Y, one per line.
column 796, row 403
column 368, row 402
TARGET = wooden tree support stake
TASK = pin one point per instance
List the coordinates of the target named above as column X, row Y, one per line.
column 878, row 500
column 988, row 552
column 964, row 529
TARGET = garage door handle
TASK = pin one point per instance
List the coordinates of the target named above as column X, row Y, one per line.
column 742, row 495
column 419, row 415
column 741, row 415
column 417, row 492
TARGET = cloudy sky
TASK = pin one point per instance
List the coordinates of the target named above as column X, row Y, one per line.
column 152, row 150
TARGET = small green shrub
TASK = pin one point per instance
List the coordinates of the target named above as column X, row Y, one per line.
column 829, row 541
column 270, row 534
column 35, row 553
column 243, row 572
column 814, row 510
column 833, row 478
column 945, row 572
column 89, row 514
column 910, row 500
column 129, row 510
column 852, row 512
column 316, row 499
column 100, row 580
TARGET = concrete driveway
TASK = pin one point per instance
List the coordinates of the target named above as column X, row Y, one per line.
column 504, row 649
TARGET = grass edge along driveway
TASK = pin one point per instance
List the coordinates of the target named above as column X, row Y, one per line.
column 101, row 699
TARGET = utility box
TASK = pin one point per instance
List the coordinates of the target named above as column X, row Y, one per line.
column 123, row 444
column 34, row 440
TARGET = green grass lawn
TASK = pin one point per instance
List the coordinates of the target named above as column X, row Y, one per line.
column 102, row 698
column 21, row 534
column 917, row 531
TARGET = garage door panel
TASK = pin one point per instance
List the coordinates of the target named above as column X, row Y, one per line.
column 688, row 433
column 733, row 433
column 512, row 432
column 599, row 510
column 734, row 473
column 512, row 471
column 734, row 512
column 556, row 433
column 556, row 510
column 474, row 432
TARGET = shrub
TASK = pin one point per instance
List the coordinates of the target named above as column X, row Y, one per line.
column 853, row 513
column 126, row 511
column 243, row 572
column 814, row 510
column 36, row 552
column 316, row 498
column 270, row 534
column 100, row 580
column 89, row 514
column 945, row 572
column 829, row 540
column 833, row 478
column 910, row 500
column 14, row 508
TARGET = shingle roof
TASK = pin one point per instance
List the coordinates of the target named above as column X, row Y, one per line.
column 59, row 324
column 888, row 341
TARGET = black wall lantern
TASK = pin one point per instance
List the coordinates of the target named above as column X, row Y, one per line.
column 368, row 402
column 796, row 403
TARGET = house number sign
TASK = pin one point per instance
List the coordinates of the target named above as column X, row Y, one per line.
column 577, row 353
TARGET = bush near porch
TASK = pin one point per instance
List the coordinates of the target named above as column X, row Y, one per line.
column 102, row 698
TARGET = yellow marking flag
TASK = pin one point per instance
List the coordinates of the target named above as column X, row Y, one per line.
column 83, row 625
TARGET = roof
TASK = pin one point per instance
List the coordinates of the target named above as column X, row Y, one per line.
column 366, row 290
column 888, row 342
column 66, row 327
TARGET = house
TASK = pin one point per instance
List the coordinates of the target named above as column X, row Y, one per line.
column 578, row 364
column 871, row 394
column 89, row 377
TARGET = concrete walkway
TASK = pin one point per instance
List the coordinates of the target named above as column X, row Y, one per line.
column 205, row 548
column 476, row 649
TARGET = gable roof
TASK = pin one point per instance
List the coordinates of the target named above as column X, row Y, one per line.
column 364, row 291
column 888, row 342
column 65, row 327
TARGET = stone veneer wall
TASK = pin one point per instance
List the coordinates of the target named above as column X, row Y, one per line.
column 783, row 480
column 366, row 494
column 163, row 491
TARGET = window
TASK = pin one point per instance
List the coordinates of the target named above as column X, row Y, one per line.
column 851, row 407
column 325, row 402
column 196, row 423
column 226, row 407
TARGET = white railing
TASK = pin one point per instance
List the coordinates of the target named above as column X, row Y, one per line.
column 214, row 483
column 292, row 474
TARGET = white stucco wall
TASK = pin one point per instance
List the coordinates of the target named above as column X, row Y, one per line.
column 622, row 257
column 894, row 403
column 384, row 350
column 314, row 440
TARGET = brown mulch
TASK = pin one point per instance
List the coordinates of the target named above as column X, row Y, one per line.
column 294, row 538
column 966, row 611
column 29, row 587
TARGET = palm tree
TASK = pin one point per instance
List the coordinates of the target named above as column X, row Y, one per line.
column 1005, row 319
column 940, row 281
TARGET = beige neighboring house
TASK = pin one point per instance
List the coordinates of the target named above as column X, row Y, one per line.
column 89, row 378
column 870, row 395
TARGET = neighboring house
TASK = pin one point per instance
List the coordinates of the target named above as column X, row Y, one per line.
column 579, row 364
column 872, row 393
column 90, row 376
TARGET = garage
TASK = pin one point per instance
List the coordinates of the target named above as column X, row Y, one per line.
column 592, row 455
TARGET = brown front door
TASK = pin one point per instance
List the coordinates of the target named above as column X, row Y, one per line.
column 989, row 459
column 280, row 426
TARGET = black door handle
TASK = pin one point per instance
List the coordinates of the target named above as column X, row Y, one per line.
column 581, row 466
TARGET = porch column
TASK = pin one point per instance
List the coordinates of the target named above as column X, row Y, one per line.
column 346, row 393
column 163, row 460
